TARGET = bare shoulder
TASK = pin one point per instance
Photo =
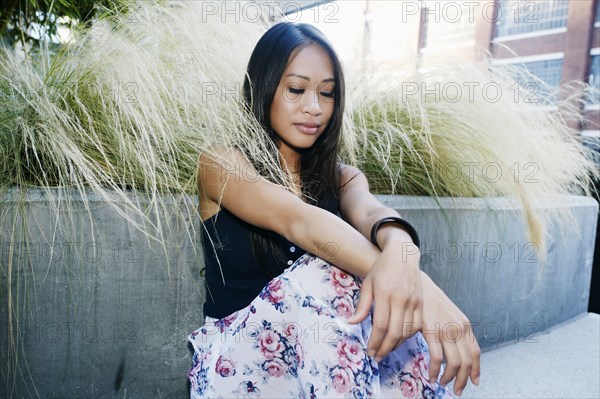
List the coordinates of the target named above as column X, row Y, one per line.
column 348, row 174
column 212, row 166
column 221, row 159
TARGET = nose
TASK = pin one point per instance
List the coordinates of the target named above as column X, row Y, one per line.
column 312, row 102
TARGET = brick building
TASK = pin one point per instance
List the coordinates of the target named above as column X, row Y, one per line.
column 556, row 40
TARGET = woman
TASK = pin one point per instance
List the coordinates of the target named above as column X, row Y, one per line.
column 291, row 284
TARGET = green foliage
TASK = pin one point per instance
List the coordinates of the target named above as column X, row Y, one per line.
column 31, row 22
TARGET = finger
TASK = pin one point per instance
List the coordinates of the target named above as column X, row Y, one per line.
column 452, row 361
column 409, row 327
column 436, row 354
column 475, row 357
column 364, row 303
column 418, row 319
column 381, row 317
column 474, row 353
column 394, row 333
column 464, row 371
column 412, row 324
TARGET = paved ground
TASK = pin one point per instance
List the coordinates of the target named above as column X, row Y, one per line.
column 563, row 363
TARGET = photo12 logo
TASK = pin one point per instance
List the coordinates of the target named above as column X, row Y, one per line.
column 438, row 11
column 235, row 11
column 454, row 92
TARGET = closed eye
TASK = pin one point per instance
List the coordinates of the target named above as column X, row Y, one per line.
column 328, row 94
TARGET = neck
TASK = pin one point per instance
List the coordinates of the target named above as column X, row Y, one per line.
column 290, row 162
column 290, row 159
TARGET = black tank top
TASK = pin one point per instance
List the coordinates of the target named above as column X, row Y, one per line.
column 244, row 278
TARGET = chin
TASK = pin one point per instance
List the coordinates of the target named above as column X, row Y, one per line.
column 303, row 148
column 306, row 146
column 301, row 144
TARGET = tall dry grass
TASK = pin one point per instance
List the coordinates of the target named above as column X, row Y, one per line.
column 464, row 129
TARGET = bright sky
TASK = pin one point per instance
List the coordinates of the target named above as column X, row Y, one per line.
column 343, row 23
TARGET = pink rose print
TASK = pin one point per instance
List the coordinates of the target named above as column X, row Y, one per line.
column 344, row 306
column 410, row 386
column 291, row 331
column 299, row 355
column 419, row 367
column 276, row 293
column 225, row 367
column 350, row 354
column 196, row 368
column 229, row 319
column 275, row 367
column 270, row 344
column 341, row 281
column 226, row 321
column 340, row 380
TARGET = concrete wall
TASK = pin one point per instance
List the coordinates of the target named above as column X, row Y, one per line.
column 104, row 312
column 94, row 312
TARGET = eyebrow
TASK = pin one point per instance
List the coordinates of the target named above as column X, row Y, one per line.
column 307, row 78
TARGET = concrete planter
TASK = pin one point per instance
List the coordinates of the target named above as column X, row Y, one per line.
column 108, row 317
column 93, row 312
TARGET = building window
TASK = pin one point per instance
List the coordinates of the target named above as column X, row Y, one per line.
column 446, row 25
column 548, row 71
column 594, row 79
column 518, row 17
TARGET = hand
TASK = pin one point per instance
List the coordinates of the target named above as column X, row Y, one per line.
column 448, row 333
column 394, row 284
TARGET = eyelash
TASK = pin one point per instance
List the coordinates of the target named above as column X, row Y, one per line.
column 300, row 91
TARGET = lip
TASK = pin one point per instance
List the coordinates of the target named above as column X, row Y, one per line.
column 308, row 128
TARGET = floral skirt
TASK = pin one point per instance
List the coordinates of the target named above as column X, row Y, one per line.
column 293, row 341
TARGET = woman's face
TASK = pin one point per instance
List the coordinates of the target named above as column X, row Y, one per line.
column 303, row 102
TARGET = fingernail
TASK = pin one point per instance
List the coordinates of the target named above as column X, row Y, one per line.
column 378, row 359
column 459, row 392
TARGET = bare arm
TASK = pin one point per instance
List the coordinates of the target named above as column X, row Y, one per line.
column 394, row 281
column 362, row 210
column 267, row 205
column 391, row 279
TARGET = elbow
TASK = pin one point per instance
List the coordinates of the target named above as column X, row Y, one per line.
column 297, row 222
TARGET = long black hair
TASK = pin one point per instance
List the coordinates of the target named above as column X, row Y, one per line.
column 319, row 174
